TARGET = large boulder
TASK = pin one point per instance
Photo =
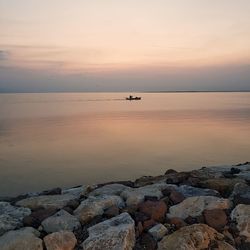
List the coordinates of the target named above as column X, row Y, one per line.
column 111, row 189
column 135, row 196
column 113, row 234
column 11, row 217
column 241, row 214
column 194, row 237
column 25, row 238
column 194, row 206
column 63, row 240
column 94, row 206
column 47, row 201
column 61, row 221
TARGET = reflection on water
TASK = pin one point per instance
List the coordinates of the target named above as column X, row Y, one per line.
column 49, row 140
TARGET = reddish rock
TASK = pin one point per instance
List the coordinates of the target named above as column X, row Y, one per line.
column 177, row 222
column 176, row 197
column 155, row 209
column 147, row 224
column 215, row 218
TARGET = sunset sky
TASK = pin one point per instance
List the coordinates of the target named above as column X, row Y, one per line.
column 132, row 45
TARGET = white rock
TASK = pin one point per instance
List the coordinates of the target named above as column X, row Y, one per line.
column 63, row 240
column 194, row 237
column 194, row 206
column 60, row 221
column 241, row 214
column 158, row 231
column 117, row 233
column 47, row 201
column 111, row 189
column 11, row 217
column 23, row 239
column 94, row 206
column 134, row 196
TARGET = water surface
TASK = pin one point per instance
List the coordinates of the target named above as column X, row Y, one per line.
column 66, row 139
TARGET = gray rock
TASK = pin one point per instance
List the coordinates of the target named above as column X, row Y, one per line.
column 194, row 206
column 25, row 239
column 158, row 231
column 117, row 233
column 47, row 201
column 241, row 194
column 189, row 191
column 194, row 237
column 11, row 217
column 111, row 189
column 218, row 171
column 94, row 206
column 60, row 221
column 8, row 223
column 16, row 212
column 63, row 240
column 134, row 196
column 77, row 191
column 241, row 214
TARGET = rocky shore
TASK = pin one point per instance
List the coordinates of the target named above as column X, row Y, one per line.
column 207, row 208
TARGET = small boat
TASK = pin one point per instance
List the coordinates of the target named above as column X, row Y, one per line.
column 132, row 98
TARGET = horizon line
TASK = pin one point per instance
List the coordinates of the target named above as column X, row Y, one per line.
column 151, row 91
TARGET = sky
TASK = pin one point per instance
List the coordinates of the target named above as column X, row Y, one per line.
column 132, row 45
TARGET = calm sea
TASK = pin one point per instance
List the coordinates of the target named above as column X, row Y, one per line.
column 67, row 139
